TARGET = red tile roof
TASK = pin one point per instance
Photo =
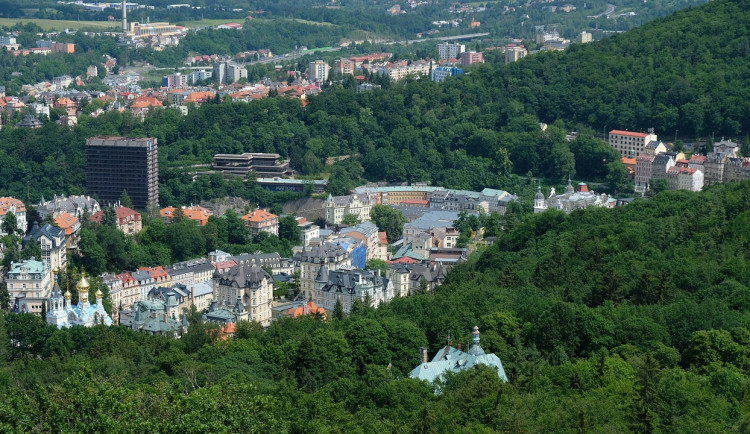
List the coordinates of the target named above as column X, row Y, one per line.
column 628, row 133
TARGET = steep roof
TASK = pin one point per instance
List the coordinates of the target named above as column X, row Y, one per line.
column 66, row 222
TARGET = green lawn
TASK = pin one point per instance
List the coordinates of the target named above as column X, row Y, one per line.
column 60, row 24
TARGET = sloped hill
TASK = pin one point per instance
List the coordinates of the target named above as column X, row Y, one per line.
column 689, row 71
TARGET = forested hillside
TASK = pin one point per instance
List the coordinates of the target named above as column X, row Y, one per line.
column 606, row 320
column 686, row 72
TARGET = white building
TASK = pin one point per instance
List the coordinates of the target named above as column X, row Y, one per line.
column 450, row 51
column 319, row 71
column 17, row 208
column 28, row 286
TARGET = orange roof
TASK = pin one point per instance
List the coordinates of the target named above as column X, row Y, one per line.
column 628, row 133
column 383, row 238
column 403, row 260
column 121, row 212
column 146, row 101
column 307, row 309
column 626, row 161
column 155, row 272
column 8, row 202
column 66, row 221
column 64, row 102
column 195, row 213
column 199, row 96
column 259, row 216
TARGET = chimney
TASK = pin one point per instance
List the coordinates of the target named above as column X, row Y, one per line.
column 459, row 347
column 423, row 354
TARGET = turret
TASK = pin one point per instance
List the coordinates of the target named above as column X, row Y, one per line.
column 83, row 289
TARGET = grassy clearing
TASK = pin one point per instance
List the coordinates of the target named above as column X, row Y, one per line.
column 60, row 24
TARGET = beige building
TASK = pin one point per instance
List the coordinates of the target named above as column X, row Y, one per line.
column 250, row 283
column 308, row 263
column 357, row 204
column 630, row 144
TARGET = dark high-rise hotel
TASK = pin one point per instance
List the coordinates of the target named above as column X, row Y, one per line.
column 114, row 164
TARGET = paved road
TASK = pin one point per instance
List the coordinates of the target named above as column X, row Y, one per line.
column 610, row 10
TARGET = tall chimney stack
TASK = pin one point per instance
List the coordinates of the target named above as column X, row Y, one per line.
column 423, row 354
column 124, row 18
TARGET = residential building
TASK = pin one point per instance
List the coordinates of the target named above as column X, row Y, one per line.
column 366, row 232
column 51, row 239
column 128, row 221
column 308, row 232
column 344, row 66
column 308, row 261
column 471, row 57
column 92, row 71
column 226, row 315
column 272, row 261
column 235, row 73
column 296, row 309
column 261, row 220
column 28, row 286
column 714, row 168
column 117, row 164
column 17, row 208
column 262, row 164
column 643, row 172
column 191, row 272
column 71, row 226
column 488, row 200
column 252, row 286
column 734, row 168
column 513, row 53
column 684, row 178
column 155, row 317
column 357, row 204
column 63, row 313
column 450, row 359
column 585, row 37
column 630, row 144
column 219, row 72
column 660, row 165
column 350, row 285
column 195, row 213
column 74, row 205
column 201, row 295
column 440, row 73
column 447, row 50
column 174, row 80
column 727, row 148
column 319, row 71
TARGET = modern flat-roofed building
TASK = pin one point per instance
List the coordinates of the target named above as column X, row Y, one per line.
column 117, row 164
column 264, row 165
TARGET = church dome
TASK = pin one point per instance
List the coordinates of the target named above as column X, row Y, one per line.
column 83, row 284
column 68, row 295
column 99, row 293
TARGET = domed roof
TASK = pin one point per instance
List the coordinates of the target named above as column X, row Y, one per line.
column 83, row 284
column 68, row 295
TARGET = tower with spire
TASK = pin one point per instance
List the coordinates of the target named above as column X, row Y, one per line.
column 540, row 204
column 63, row 313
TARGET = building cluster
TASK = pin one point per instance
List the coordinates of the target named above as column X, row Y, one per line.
column 572, row 199
column 42, row 47
column 423, row 197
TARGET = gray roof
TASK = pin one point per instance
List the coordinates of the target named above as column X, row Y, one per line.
column 434, row 219
column 200, row 289
column 345, row 281
column 244, row 276
column 324, row 252
column 54, row 233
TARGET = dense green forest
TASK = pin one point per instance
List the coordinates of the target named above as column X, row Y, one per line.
column 634, row 318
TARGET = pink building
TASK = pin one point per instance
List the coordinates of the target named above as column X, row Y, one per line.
column 471, row 57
